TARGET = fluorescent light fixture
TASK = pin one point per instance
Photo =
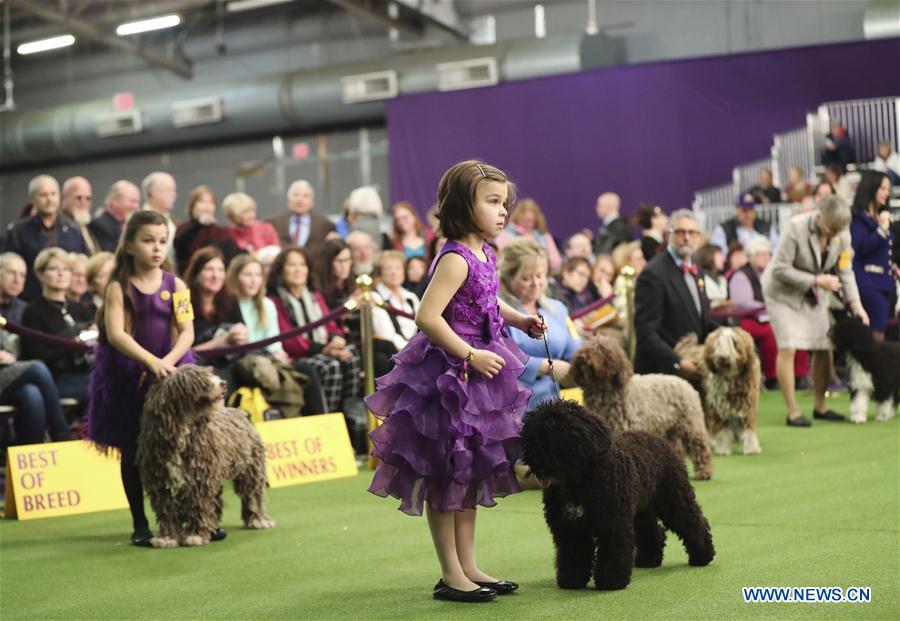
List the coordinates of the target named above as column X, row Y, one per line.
column 42, row 45
column 146, row 25
column 246, row 5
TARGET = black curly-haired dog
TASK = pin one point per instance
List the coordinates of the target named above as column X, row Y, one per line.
column 604, row 495
column 874, row 369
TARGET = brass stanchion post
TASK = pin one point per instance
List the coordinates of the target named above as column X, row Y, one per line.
column 630, row 336
column 365, row 321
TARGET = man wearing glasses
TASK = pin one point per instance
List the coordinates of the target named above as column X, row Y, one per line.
column 670, row 301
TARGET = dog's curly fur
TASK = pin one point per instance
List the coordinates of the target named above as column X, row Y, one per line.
column 874, row 369
column 663, row 405
column 728, row 380
column 604, row 495
column 188, row 446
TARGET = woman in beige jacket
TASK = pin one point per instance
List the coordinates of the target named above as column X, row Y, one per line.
column 814, row 260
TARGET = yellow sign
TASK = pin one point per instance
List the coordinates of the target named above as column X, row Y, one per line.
column 573, row 394
column 62, row 478
column 307, row 449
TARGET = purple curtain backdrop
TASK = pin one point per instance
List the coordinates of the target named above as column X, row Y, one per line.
column 655, row 132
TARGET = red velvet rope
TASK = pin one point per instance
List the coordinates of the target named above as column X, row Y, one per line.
column 581, row 312
column 50, row 339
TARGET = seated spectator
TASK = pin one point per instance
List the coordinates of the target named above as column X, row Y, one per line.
column 410, row 236
column 527, row 220
column 797, row 187
column 160, row 191
column 887, row 161
column 670, row 303
column 631, row 255
column 217, row 317
column 201, row 229
column 53, row 314
column 838, row 149
column 744, row 226
column 571, row 287
column 12, row 282
column 797, row 285
column 613, row 229
column 839, row 184
column 654, row 224
column 745, row 288
column 364, row 213
column 823, row 189
column 332, row 273
column 602, row 277
column 579, row 245
column 362, row 252
column 29, row 388
column 79, row 292
column 735, row 260
column 122, row 200
column 77, row 197
column 325, row 349
column 523, row 284
column 29, row 237
column 99, row 269
column 765, row 191
column 711, row 261
column 416, row 275
column 301, row 225
column 245, row 283
column 386, row 326
column 246, row 231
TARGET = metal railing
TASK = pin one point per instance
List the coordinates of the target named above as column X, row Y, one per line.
column 775, row 213
column 792, row 148
column 868, row 122
column 747, row 175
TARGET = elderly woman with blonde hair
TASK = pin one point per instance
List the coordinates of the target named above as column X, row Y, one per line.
column 814, row 260
column 247, row 232
column 523, row 285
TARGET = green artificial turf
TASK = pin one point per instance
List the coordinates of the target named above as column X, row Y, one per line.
column 819, row 507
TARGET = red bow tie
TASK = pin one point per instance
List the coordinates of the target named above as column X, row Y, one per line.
column 688, row 268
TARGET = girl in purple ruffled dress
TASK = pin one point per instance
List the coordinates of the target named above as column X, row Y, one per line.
column 452, row 406
column 146, row 329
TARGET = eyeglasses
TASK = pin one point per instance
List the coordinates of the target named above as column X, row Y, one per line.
column 687, row 232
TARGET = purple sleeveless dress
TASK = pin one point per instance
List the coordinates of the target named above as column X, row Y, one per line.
column 450, row 442
column 119, row 384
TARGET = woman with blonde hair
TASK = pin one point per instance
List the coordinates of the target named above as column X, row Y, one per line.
column 247, row 232
column 99, row 268
column 523, row 285
column 409, row 235
column 527, row 220
column 244, row 280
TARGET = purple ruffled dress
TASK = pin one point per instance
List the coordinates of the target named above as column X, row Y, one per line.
column 447, row 441
column 119, row 384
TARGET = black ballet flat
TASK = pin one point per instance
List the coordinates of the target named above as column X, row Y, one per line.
column 829, row 415
column 219, row 534
column 448, row 593
column 503, row 587
column 142, row 538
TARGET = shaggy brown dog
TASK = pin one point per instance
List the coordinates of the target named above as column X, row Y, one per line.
column 663, row 405
column 729, row 377
column 605, row 494
column 189, row 445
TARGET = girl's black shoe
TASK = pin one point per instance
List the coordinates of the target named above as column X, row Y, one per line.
column 503, row 587
column 448, row 593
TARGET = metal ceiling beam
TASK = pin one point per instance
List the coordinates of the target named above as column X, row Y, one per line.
column 354, row 6
column 93, row 33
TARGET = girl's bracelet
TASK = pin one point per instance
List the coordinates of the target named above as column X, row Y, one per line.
column 466, row 361
column 150, row 359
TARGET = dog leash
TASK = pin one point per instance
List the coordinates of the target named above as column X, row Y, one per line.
column 549, row 358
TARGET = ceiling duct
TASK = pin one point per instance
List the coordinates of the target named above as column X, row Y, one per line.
column 467, row 74
column 123, row 123
column 882, row 19
column 368, row 86
column 197, row 112
column 303, row 100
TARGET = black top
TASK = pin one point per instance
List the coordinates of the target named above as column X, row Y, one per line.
column 59, row 319
column 664, row 312
column 106, row 231
column 28, row 237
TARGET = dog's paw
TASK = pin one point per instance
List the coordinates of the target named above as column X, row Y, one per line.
column 702, row 475
column 886, row 411
column 611, row 583
column 750, row 444
column 195, row 540
column 721, row 443
column 164, row 542
column 858, row 418
column 260, row 522
column 569, row 582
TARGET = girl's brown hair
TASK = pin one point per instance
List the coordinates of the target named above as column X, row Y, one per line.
column 125, row 268
column 234, row 286
column 456, row 196
column 223, row 301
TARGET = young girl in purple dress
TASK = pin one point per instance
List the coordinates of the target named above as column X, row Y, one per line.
column 146, row 329
column 452, row 406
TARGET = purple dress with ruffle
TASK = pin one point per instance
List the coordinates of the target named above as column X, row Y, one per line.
column 119, row 384
column 445, row 440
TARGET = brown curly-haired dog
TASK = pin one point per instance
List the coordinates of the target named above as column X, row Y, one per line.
column 189, row 445
column 729, row 378
column 662, row 405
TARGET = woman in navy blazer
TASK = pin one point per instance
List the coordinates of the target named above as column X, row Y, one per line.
column 523, row 285
column 872, row 241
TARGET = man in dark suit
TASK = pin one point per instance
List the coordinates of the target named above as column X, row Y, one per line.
column 613, row 229
column 301, row 226
column 670, row 301
column 47, row 227
column 122, row 200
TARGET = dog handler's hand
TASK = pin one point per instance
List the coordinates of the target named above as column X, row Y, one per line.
column 534, row 326
column 159, row 367
column 860, row 312
column 486, row 362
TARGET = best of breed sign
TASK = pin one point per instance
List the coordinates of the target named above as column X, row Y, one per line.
column 62, row 478
column 307, row 449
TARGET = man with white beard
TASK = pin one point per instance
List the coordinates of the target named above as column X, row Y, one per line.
column 76, row 205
